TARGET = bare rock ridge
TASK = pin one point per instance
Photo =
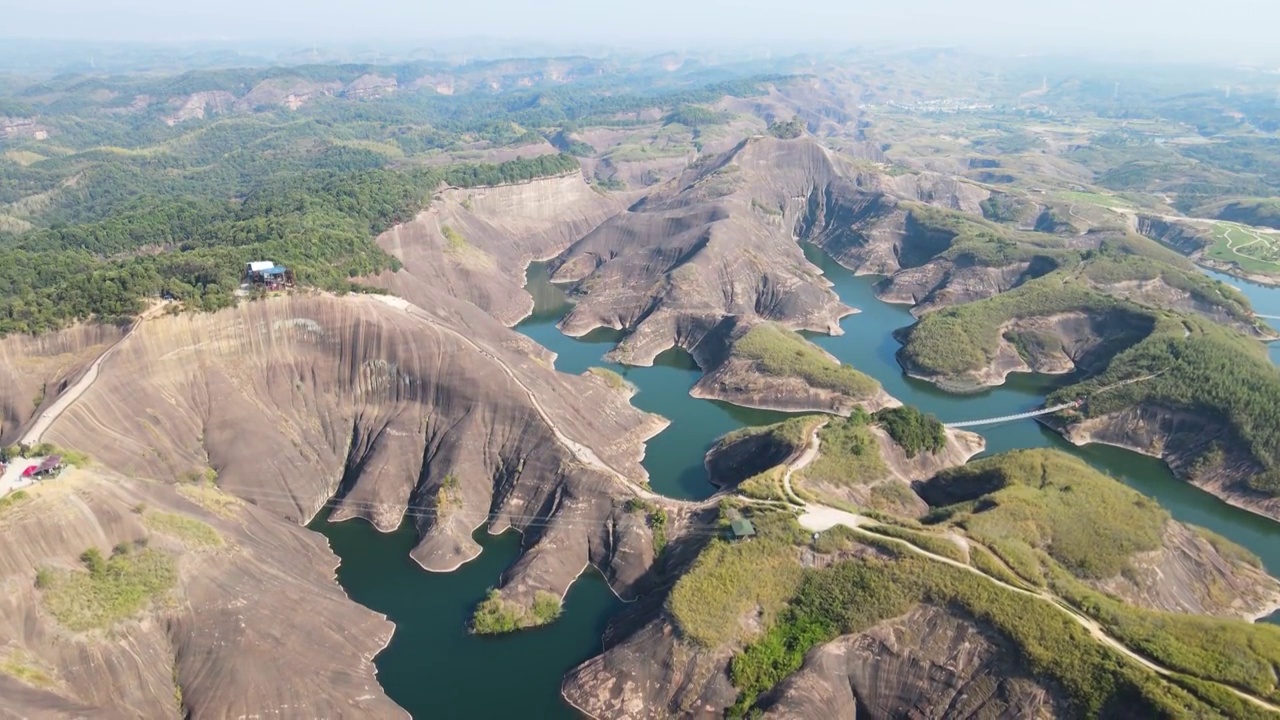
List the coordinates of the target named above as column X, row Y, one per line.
column 34, row 370
column 475, row 244
column 720, row 241
column 297, row 399
column 291, row 401
column 715, row 242
column 226, row 641
column 932, row 662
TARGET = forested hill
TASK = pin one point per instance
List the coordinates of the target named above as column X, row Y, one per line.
column 319, row 222
column 114, row 189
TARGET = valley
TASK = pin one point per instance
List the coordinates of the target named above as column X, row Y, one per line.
column 635, row 401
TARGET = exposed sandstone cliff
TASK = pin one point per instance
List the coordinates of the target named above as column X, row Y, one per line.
column 737, row 372
column 296, row 399
column 1158, row 293
column 1193, row 573
column 197, row 106
column 475, row 243
column 1181, row 439
column 370, row 86
column 932, row 662
column 379, row 405
column 33, row 370
column 715, row 242
column 942, row 282
column 225, row 641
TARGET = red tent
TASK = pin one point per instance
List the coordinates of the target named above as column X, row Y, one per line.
column 31, row 470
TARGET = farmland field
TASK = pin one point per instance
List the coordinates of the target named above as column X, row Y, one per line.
column 1253, row 249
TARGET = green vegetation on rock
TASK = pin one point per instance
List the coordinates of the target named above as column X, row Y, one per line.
column 191, row 532
column 453, row 240
column 1050, row 501
column 21, row 667
column 319, row 221
column 930, row 542
column 13, row 499
column 780, row 352
column 109, row 590
column 1199, row 367
column 966, row 338
column 913, row 430
column 730, row 580
column 497, row 615
column 789, row 130
column 202, row 489
column 849, row 455
column 610, row 378
column 1058, row 523
column 854, row 595
column 655, row 517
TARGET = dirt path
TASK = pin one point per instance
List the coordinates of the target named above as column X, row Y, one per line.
column 819, row 517
column 809, row 455
column 72, row 394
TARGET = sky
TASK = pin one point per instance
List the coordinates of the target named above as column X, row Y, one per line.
column 1228, row 30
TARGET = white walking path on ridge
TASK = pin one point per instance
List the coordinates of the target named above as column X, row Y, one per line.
column 818, row 518
column 73, row 393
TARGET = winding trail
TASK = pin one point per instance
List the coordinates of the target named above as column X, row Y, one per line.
column 817, row 518
column 72, row 394
column 809, row 455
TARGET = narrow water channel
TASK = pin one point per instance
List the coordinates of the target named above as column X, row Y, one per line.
column 436, row 670
column 1265, row 300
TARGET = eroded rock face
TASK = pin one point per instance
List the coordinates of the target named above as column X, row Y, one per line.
column 33, row 370
column 942, row 282
column 227, row 641
column 1180, row 439
column 197, row 106
column 716, row 242
column 474, row 244
column 297, row 399
column 930, row 663
column 729, row 376
column 652, row 674
column 294, row 400
column 1189, row 574
column 1158, row 293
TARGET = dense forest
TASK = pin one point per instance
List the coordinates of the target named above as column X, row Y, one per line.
column 124, row 206
column 320, row 223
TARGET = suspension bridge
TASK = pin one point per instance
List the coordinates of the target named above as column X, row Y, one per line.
column 1019, row 416
column 1047, row 410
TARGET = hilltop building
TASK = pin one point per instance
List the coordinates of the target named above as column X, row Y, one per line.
column 267, row 274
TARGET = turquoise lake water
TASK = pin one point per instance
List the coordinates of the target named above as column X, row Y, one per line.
column 435, row 669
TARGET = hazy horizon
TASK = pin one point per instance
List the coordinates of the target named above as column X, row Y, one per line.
column 1235, row 31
